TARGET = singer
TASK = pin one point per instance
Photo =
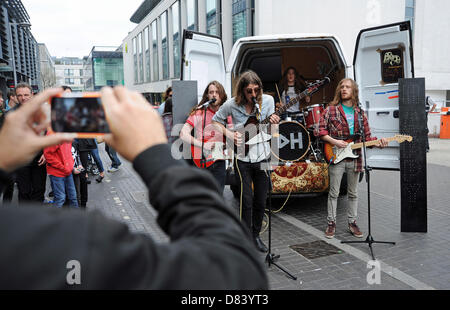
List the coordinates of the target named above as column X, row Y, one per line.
column 205, row 138
column 249, row 102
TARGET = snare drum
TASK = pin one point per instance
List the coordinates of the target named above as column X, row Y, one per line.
column 312, row 116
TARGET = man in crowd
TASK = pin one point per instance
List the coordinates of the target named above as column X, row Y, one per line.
column 31, row 179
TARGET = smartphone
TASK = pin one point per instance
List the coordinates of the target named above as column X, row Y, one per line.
column 81, row 113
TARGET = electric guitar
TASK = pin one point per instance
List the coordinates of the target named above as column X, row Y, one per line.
column 210, row 157
column 252, row 134
column 335, row 155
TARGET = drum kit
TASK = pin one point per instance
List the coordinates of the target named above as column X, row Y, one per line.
column 298, row 136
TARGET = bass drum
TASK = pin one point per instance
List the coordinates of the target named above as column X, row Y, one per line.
column 291, row 143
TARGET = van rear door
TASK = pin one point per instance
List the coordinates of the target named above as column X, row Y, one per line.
column 382, row 56
column 203, row 59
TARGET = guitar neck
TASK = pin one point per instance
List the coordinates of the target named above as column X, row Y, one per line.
column 371, row 143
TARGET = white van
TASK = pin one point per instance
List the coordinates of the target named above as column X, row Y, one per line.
column 382, row 55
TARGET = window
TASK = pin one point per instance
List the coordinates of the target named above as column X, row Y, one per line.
column 212, row 17
column 191, row 7
column 242, row 20
column 81, row 72
column 155, row 51
column 164, row 46
column 135, row 61
column 147, row 55
column 68, row 72
column 140, row 57
column 176, row 39
column 410, row 11
column 69, row 81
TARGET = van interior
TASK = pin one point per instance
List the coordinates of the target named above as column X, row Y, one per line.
column 313, row 59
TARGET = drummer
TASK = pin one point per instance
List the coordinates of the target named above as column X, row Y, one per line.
column 291, row 85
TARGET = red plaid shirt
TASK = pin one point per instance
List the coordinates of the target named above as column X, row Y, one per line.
column 334, row 123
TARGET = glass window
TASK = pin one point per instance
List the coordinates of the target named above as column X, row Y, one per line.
column 108, row 72
column 164, row 46
column 240, row 19
column 211, row 17
column 81, row 72
column 191, row 7
column 410, row 11
column 135, row 61
column 176, row 39
column 155, row 51
column 147, row 55
column 140, row 57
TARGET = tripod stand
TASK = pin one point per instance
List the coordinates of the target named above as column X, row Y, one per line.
column 270, row 258
column 369, row 240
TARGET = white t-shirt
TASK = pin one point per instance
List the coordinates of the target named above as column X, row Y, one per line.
column 286, row 96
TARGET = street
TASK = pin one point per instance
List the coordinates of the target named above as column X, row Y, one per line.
column 416, row 261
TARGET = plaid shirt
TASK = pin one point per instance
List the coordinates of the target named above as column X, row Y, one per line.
column 334, row 123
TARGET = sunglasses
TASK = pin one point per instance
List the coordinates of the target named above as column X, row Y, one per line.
column 251, row 90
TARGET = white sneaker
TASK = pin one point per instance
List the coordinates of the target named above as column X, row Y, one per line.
column 112, row 169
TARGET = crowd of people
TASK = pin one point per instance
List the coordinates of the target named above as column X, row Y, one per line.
column 66, row 165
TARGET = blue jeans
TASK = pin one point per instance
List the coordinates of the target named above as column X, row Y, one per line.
column 63, row 186
column 115, row 161
column 97, row 160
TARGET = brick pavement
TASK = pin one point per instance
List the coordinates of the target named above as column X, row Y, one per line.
column 422, row 257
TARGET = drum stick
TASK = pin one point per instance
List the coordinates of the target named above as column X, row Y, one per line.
column 279, row 97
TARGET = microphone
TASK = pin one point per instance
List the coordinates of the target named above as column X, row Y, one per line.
column 207, row 103
column 256, row 105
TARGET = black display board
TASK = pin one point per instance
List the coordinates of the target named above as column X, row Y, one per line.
column 413, row 160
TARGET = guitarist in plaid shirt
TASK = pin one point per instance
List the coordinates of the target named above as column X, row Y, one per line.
column 338, row 123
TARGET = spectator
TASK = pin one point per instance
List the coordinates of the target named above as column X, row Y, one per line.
column 31, row 179
column 115, row 161
column 167, row 118
column 167, row 94
column 11, row 102
column 59, row 168
column 210, row 248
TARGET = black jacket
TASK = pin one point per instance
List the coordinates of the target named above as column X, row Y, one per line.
column 209, row 247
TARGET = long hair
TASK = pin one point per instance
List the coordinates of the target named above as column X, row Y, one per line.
column 247, row 78
column 355, row 93
column 299, row 84
column 168, row 106
column 222, row 95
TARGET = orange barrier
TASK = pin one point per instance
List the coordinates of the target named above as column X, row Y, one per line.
column 445, row 127
column 444, row 109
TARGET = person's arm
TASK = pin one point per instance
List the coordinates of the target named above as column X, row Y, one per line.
column 52, row 159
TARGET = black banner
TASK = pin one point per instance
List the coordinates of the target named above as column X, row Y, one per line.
column 413, row 160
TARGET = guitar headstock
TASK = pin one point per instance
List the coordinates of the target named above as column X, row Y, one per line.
column 403, row 138
column 314, row 87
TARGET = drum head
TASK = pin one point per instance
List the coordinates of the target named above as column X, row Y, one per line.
column 292, row 143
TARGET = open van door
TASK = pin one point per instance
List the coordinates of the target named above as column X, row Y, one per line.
column 383, row 55
column 203, row 59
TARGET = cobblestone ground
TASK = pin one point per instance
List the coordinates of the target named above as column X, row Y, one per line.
column 417, row 261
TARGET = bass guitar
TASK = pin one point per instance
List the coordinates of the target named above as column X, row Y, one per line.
column 335, row 155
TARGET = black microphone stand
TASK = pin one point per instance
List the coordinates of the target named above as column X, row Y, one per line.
column 270, row 257
column 203, row 160
column 369, row 240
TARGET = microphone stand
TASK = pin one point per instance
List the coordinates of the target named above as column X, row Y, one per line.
column 203, row 160
column 270, row 257
column 369, row 240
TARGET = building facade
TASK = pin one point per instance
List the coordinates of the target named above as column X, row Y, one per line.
column 47, row 75
column 18, row 48
column 70, row 72
column 103, row 67
column 152, row 51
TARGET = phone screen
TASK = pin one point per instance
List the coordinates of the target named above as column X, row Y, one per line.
column 80, row 115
